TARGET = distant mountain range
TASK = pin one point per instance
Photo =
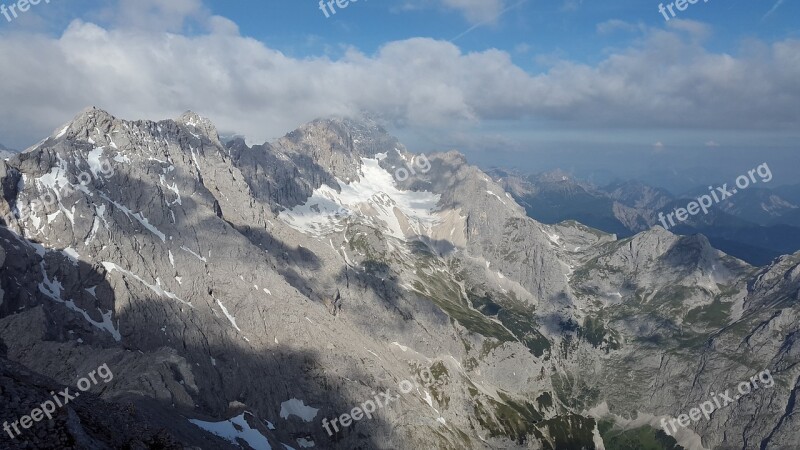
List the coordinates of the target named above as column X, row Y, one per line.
column 6, row 152
column 756, row 225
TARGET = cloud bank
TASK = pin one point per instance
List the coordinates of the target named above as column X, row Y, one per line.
column 665, row 79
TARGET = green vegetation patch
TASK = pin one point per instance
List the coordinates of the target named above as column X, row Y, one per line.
column 451, row 302
column 513, row 419
column 574, row 393
column 715, row 315
column 643, row 438
column 570, row 432
column 516, row 317
column 441, row 378
column 524, row 328
column 545, row 400
column 596, row 333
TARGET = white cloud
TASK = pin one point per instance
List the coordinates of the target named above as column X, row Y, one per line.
column 667, row 80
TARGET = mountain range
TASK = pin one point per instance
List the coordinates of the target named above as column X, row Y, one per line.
column 756, row 225
column 6, row 153
column 242, row 294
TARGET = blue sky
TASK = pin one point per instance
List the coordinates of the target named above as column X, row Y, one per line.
column 565, row 28
column 600, row 88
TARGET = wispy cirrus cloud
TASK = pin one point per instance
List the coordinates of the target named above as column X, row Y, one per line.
column 772, row 10
column 477, row 11
column 474, row 11
column 491, row 20
column 613, row 25
column 571, row 5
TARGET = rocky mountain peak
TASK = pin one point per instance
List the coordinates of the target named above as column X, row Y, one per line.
column 693, row 251
column 356, row 137
column 561, row 181
column 98, row 127
column 88, row 119
column 636, row 193
column 554, row 176
column 197, row 122
column 92, row 127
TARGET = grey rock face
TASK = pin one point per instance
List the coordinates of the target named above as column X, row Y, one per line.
column 266, row 288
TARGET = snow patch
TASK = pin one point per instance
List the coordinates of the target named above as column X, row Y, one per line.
column 110, row 267
column 233, row 429
column 497, row 196
column 375, row 197
column 95, row 165
column 303, row 442
column 554, row 238
column 194, row 254
column 295, row 407
column 428, row 399
column 53, row 288
column 597, row 439
column 71, row 254
column 138, row 216
column 228, row 315
column 402, row 347
column 173, row 188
